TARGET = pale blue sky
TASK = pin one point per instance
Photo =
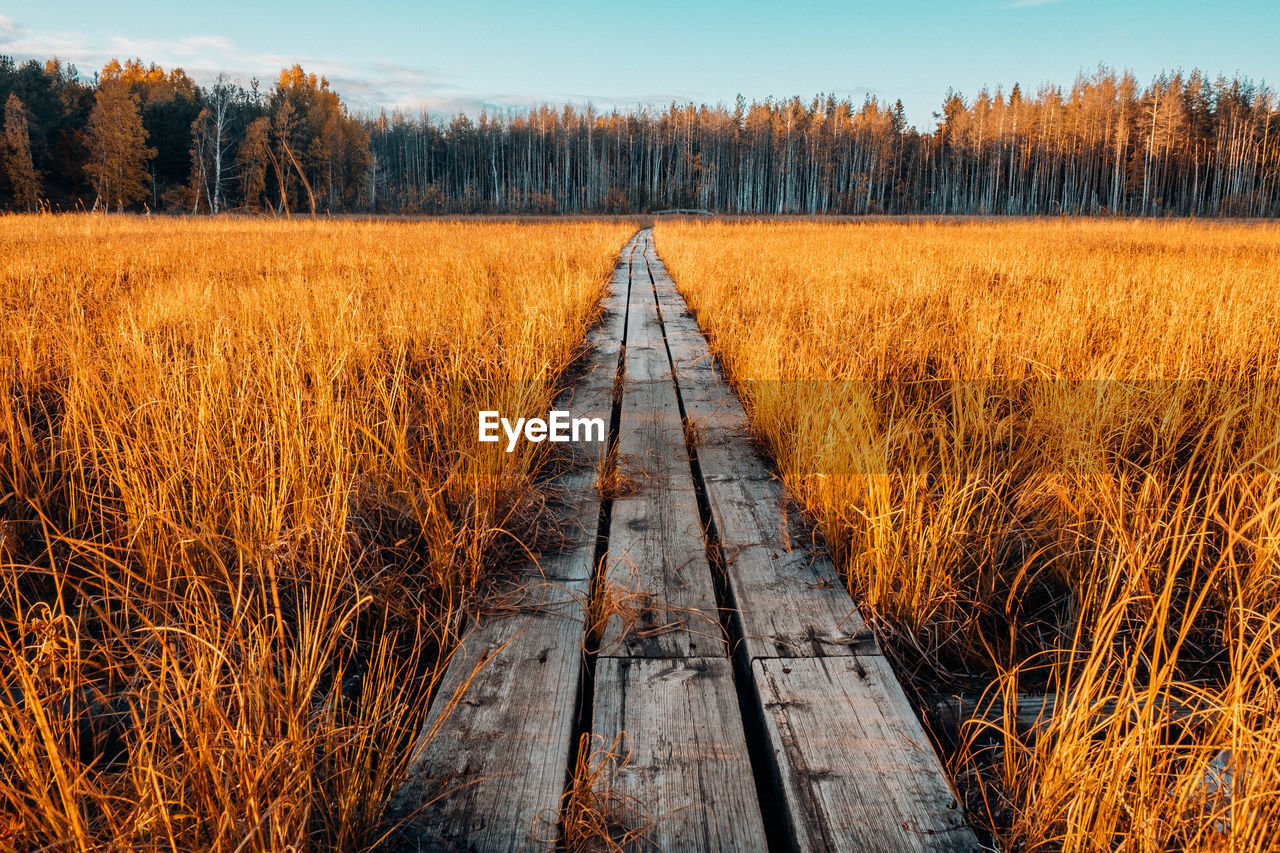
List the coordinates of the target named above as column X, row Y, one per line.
column 464, row 55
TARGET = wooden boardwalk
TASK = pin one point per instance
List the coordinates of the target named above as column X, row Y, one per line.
column 688, row 614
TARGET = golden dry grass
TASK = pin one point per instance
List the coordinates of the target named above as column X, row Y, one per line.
column 241, row 502
column 1047, row 456
column 597, row 818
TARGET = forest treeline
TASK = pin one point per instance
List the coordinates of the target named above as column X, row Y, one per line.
column 139, row 137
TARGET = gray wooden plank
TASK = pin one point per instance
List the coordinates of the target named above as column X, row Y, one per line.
column 808, row 612
column 493, row 752
column 677, row 318
column 646, row 358
column 573, row 498
column 572, row 494
column 689, row 768
column 733, row 459
column 702, row 380
column 789, row 599
column 492, row 756
column 858, row 773
column 657, row 586
column 857, row 770
column 658, row 592
column 720, row 426
column 710, row 405
column 752, row 511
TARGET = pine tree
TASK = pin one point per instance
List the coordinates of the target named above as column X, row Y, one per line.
column 23, row 176
column 117, row 166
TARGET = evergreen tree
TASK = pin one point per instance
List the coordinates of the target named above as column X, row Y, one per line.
column 1184, row 145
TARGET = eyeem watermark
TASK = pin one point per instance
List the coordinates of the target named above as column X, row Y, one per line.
column 558, row 427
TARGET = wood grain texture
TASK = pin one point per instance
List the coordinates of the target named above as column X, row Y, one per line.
column 858, row 773
column 790, row 599
column 572, row 494
column 792, row 604
column 488, row 770
column 658, row 584
column 689, row 768
column 749, row 511
column 708, row 399
column 571, row 491
column 489, row 767
column 856, row 769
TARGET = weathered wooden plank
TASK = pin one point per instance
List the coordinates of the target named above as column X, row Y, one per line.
column 689, row 768
column 656, row 574
column 789, row 599
column 647, row 361
column 702, row 382
column 676, row 316
column 858, row 773
column 732, row 460
column 492, row 756
column 710, row 406
column 572, row 494
column 658, row 594
column 719, row 427
column 856, row 769
column 808, row 612
column 754, row 510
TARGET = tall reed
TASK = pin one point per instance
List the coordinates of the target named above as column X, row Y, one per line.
column 1046, row 455
column 242, row 504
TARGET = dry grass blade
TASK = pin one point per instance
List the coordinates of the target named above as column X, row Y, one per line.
column 1046, row 456
column 619, row 476
column 595, row 818
column 243, row 507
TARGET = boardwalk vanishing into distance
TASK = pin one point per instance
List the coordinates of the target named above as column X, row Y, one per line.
column 688, row 618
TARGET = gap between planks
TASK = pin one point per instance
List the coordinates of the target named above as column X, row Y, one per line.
column 849, row 757
column 843, row 753
column 488, row 769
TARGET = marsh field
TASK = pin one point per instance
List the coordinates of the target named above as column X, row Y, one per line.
column 243, row 508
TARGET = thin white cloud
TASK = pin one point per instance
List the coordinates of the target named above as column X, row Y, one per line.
column 367, row 88
column 9, row 30
column 195, row 47
column 203, row 56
